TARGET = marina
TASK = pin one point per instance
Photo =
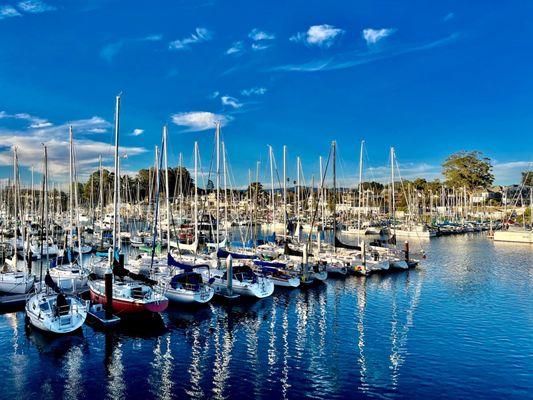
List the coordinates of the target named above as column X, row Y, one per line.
column 266, row 200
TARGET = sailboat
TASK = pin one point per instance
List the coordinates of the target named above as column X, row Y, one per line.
column 71, row 275
column 13, row 279
column 49, row 309
column 178, row 282
column 131, row 293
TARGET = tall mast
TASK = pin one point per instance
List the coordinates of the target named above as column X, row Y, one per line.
column 116, row 193
column 167, row 197
column 32, row 196
column 15, row 205
column 298, row 188
column 196, row 192
column 271, row 156
column 334, row 146
column 217, row 134
column 225, row 171
column 45, row 194
column 181, row 187
column 393, row 200
column 101, row 173
column 360, row 186
column 284, row 189
column 70, row 191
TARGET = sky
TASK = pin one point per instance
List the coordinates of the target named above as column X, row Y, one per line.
column 429, row 78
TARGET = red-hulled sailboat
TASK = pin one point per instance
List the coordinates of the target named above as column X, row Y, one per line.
column 130, row 293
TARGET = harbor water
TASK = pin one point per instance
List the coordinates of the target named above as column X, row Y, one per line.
column 458, row 326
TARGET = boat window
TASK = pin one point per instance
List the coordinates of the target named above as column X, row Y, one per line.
column 44, row 306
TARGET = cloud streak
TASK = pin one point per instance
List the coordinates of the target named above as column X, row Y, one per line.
column 258, row 35
column 110, row 50
column 196, row 121
column 35, row 6
column 253, row 91
column 200, row 35
column 8, row 12
column 353, row 59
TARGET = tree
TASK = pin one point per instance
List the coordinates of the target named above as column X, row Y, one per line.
column 95, row 178
column 468, row 169
column 527, row 178
column 252, row 187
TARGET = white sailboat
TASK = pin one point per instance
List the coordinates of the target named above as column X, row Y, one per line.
column 14, row 278
column 49, row 309
column 70, row 275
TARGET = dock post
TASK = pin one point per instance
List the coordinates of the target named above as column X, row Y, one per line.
column 29, row 261
column 229, row 276
column 406, row 250
column 363, row 253
column 108, row 295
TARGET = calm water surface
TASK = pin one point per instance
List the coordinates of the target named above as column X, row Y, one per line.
column 459, row 326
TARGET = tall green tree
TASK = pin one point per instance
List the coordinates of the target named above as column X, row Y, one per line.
column 468, row 169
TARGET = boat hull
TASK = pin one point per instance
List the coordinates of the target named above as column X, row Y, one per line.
column 130, row 307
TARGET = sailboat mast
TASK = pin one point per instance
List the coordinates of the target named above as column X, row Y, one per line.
column 116, row 217
column 271, row 156
column 360, row 186
column 298, row 188
column 32, row 196
column 284, row 189
column 217, row 134
column 70, row 191
column 334, row 148
column 393, row 200
column 167, row 197
column 225, row 171
column 15, row 206
column 196, row 192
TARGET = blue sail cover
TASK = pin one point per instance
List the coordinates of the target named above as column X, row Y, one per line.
column 222, row 253
column 50, row 283
column 173, row 263
column 271, row 264
column 193, row 279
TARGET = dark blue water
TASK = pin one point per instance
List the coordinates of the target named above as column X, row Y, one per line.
column 460, row 326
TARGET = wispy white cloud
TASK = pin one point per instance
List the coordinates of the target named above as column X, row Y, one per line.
column 35, row 6
column 153, row 38
column 137, row 132
column 28, row 141
column 35, row 122
column 260, row 46
column 199, row 35
column 448, row 17
column 253, row 91
column 372, row 36
column 318, row 35
column 510, row 172
column 110, row 50
column 353, row 59
column 8, row 12
column 258, row 35
column 230, row 101
column 214, row 95
column 236, row 48
column 196, row 121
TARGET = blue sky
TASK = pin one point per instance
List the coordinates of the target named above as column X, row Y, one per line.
column 429, row 78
